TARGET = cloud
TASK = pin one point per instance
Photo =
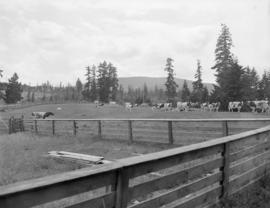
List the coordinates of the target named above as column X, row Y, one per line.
column 54, row 39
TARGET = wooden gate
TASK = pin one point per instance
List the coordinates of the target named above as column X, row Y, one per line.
column 15, row 125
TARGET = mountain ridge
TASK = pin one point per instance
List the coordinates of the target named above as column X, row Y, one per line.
column 151, row 82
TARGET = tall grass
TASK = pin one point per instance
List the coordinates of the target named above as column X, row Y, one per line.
column 25, row 156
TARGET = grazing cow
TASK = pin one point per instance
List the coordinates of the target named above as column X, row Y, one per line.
column 162, row 106
column 128, row 106
column 204, row 107
column 42, row 115
column 236, row 105
column 167, row 106
column 262, row 106
column 214, row 107
column 183, row 106
column 97, row 103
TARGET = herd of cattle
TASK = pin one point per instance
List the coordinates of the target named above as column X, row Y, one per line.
column 236, row 106
column 259, row 106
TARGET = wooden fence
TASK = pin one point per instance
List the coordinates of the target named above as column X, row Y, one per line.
column 192, row 176
column 172, row 131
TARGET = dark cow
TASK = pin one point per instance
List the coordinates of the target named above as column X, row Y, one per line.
column 42, row 115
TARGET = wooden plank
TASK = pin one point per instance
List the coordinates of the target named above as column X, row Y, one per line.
column 170, row 132
column 244, row 166
column 174, row 179
column 250, row 140
column 241, row 180
column 160, row 160
column 249, row 151
column 122, row 185
column 198, row 199
column 78, row 156
column 51, row 188
column 107, row 200
column 180, row 192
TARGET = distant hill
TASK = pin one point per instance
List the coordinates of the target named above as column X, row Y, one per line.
column 151, row 82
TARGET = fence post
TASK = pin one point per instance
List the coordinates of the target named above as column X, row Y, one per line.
column 10, row 125
column 53, row 127
column 130, row 135
column 170, row 132
column 225, row 170
column 36, row 128
column 225, row 130
column 74, row 128
column 122, row 184
column 99, row 129
column 22, row 123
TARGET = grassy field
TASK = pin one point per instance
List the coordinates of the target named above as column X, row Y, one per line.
column 24, row 155
column 116, row 111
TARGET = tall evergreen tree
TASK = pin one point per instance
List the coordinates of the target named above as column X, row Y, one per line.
column 145, row 93
column 28, row 95
column 113, row 81
column 33, row 97
column 185, row 97
column 103, row 82
column 93, row 90
column 264, row 86
column 249, row 86
column 205, row 95
column 1, row 85
column 197, row 93
column 170, row 82
column 224, row 62
column 87, row 86
column 79, row 87
column 14, row 90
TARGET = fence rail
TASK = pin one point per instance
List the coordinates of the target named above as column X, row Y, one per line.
column 172, row 131
column 189, row 176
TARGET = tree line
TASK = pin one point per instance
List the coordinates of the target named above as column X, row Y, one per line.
column 234, row 82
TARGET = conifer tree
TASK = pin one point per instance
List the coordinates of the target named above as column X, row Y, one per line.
column 79, row 87
column 185, row 92
column 93, row 90
column 197, row 93
column 113, row 81
column 87, row 86
column 14, row 90
column 225, row 67
column 170, row 82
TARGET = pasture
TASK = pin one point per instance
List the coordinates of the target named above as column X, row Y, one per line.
column 24, row 155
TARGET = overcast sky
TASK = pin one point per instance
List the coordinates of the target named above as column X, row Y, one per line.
column 55, row 39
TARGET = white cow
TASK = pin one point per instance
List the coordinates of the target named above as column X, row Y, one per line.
column 204, row 107
column 262, row 106
column 183, row 106
column 214, row 106
column 236, row 105
column 128, row 106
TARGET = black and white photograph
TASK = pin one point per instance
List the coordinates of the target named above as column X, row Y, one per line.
column 134, row 104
